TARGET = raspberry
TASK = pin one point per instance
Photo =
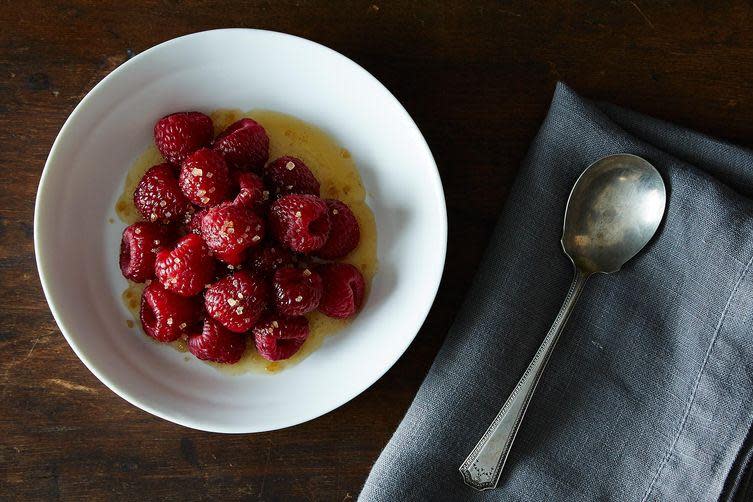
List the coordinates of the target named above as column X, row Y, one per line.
column 217, row 344
column 158, row 196
column 244, row 144
column 230, row 229
column 300, row 222
column 165, row 316
column 280, row 338
column 237, row 301
column 252, row 193
column 138, row 249
column 204, row 178
column 344, row 233
column 264, row 260
column 288, row 175
column 187, row 268
column 180, row 134
column 343, row 289
column 296, row 291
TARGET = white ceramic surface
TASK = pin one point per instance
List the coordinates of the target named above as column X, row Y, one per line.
column 77, row 249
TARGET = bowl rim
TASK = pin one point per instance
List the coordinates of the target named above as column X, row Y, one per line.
column 43, row 193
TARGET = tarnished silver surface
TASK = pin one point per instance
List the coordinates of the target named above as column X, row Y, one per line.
column 613, row 211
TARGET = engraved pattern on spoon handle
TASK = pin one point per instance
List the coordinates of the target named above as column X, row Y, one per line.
column 483, row 467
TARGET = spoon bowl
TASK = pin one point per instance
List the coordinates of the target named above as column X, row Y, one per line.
column 613, row 211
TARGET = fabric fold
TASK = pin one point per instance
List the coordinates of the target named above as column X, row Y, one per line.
column 647, row 396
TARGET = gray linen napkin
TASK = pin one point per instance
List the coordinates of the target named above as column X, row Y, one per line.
column 648, row 393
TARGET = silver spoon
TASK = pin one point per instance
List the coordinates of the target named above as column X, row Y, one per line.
column 613, row 211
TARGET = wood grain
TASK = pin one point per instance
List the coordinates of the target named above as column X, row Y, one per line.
column 477, row 78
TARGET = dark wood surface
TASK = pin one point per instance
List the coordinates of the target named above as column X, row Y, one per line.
column 477, row 78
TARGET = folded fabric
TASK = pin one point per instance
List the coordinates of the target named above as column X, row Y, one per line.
column 648, row 395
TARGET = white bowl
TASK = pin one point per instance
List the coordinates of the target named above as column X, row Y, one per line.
column 77, row 249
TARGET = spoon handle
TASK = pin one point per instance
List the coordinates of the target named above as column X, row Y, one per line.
column 483, row 467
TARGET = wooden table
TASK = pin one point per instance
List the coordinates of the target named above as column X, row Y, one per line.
column 477, row 77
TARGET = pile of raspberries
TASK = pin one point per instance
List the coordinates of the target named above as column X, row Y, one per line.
column 235, row 248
